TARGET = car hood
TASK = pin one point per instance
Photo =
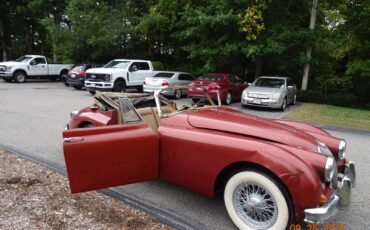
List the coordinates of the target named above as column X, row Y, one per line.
column 233, row 121
column 263, row 90
column 106, row 70
column 10, row 63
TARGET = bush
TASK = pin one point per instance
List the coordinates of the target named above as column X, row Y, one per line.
column 310, row 96
column 342, row 99
column 158, row 65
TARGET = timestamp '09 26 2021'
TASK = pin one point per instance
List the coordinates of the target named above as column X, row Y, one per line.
column 318, row 227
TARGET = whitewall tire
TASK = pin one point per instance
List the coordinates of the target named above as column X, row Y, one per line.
column 255, row 201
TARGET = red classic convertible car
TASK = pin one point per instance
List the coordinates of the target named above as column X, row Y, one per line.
column 272, row 172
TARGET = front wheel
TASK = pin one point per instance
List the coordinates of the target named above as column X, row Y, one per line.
column 92, row 92
column 254, row 200
column 20, row 77
column 77, row 87
column 119, row 86
column 283, row 106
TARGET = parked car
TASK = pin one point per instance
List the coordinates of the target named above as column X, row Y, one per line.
column 32, row 67
column 76, row 75
column 273, row 92
column 118, row 75
column 272, row 172
column 229, row 86
column 166, row 79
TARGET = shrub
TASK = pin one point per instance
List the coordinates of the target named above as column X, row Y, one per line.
column 342, row 99
column 158, row 65
column 310, row 96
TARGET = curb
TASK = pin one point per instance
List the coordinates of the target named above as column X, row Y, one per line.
column 164, row 216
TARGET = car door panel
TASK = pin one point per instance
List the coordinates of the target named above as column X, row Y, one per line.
column 106, row 156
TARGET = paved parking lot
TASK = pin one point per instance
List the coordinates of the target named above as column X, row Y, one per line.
column 34, row 114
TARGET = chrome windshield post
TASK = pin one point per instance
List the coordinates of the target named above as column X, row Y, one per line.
column 218, row 98
column 157, row 102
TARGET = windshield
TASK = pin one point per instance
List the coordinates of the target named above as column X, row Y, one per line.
column 23, row 59
column 269, row 82
column 210, row 78
column 117, row 64
column 165, row 75
column 79, row 67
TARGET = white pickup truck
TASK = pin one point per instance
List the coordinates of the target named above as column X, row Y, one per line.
column 32, row 67
column 118, row 75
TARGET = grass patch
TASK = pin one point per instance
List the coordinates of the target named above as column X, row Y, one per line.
column 332, row 115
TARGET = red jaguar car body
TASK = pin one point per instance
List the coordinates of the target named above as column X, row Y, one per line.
column 199, row 148
column 223, row 82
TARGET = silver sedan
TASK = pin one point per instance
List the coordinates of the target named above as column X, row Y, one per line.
column 165, row 79
column 272, row 92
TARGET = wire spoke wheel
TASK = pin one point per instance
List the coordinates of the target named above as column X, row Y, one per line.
column 255, row 205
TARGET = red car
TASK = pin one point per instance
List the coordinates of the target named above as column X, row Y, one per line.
column 272, row 172
column 230, row 87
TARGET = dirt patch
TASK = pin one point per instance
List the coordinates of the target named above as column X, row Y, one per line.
column 33, row 197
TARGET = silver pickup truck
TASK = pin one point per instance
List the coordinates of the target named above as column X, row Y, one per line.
column 32, row 67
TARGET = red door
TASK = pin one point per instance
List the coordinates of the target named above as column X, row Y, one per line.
column 109, row 156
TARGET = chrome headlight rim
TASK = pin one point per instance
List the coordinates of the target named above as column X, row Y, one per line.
column 342, row 149
column 329, row 169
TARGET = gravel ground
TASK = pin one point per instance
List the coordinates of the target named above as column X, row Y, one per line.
column 33, row 197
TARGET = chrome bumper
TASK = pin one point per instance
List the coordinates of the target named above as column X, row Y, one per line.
column 340, row 199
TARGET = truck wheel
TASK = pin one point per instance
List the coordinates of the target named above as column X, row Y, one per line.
column 92, row 92
column 254, row 200
column 20, row 77
column 119, row 86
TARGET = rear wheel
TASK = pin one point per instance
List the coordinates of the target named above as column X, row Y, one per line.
column 177, row 94
column 228, row 99
column 119, row 86
column 20, row 76
column 92, row 92
column 64, row 75
column 254, row 200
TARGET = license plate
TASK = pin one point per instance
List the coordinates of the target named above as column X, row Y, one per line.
column 92, row 85
column 257, row 101
column 199, row 88
column 73, row 75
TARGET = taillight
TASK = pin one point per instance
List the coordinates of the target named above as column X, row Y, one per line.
column 214, row 86
column 69, row 72
column 81, row 72
column 165, row 83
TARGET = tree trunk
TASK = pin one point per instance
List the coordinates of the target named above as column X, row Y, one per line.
column 3, row 46
column 258, row 67
column 306, row 70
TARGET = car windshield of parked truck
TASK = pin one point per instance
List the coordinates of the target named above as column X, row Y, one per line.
column 210, row 78
column 165, row 75
column 117, row 64
column 23, row 59
column 269, row 82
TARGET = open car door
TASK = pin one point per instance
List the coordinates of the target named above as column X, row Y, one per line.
column 114, row 155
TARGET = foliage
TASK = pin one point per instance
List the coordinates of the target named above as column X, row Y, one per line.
column 246, row 37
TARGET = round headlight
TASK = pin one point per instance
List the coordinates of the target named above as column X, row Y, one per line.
column 342, row 149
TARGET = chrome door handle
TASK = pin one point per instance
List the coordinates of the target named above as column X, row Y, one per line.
column 72, row 139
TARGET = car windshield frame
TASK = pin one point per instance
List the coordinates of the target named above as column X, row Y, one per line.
column 266, row 82
column 24, row 59
column 118, row 64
